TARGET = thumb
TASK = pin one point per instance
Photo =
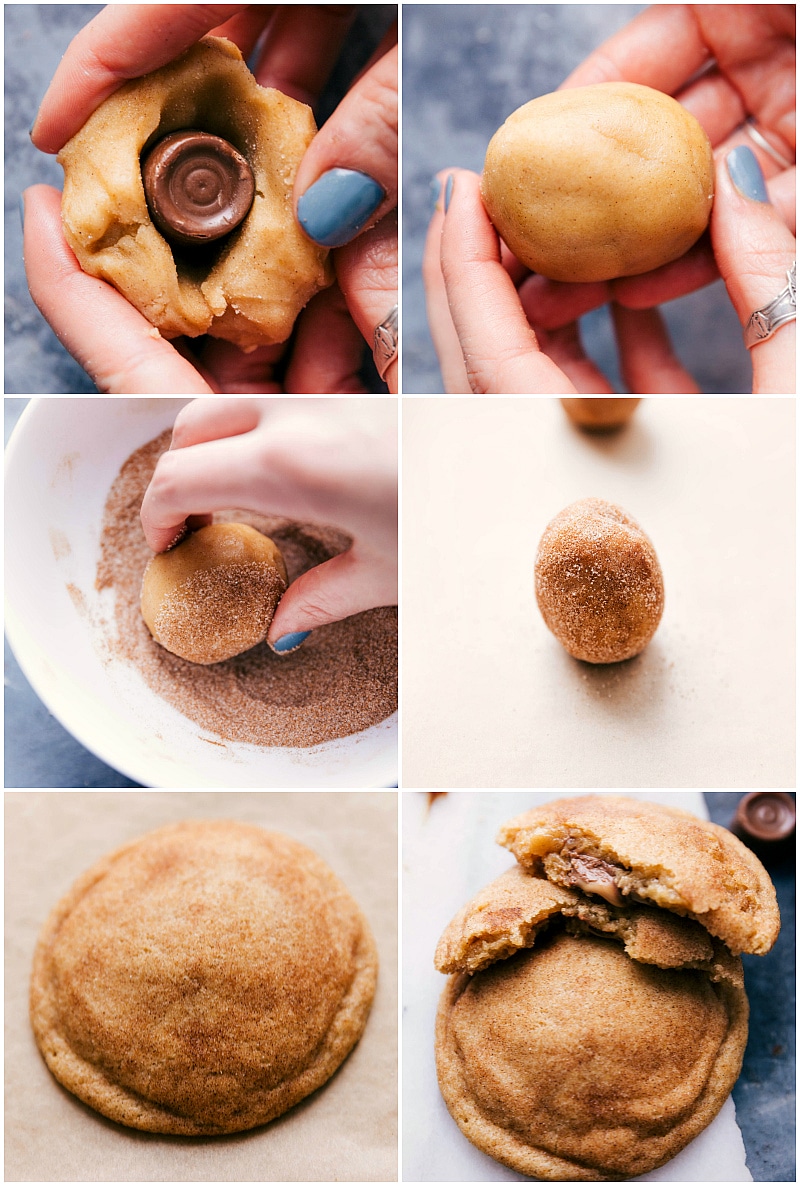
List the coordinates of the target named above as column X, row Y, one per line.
column 347, row 179
column 345, row 585
column 754, row 250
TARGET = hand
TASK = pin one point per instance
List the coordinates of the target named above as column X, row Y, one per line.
column 497, row 333
column 323, row 461
column 114, row 343
column 754, row 250
column 725, row 63
column 753, row 75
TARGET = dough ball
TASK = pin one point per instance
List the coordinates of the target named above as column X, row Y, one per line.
column 215, row 594
column 250, row 286
column 202, row 979
column 598, row 582
column 599, row 181
column 600, row 414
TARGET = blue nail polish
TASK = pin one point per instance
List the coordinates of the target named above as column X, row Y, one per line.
column 436, row 193
column 290, row 642
column 448, row 192
column 334, row 209
column 745, row 173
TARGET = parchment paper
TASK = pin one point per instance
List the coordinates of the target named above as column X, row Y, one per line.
column 448, row 854
column 346, row 1131
column 491, row 699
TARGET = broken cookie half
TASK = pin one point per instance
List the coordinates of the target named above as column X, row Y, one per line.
column 511, row 913
column 630, row 851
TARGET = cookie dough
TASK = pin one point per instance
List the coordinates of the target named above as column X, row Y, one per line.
column 601, row 181
column 573, row 1062
column 215, row 594
column 653, row 854
column 248, row 287
column 598, row 582
column 202, row 979
column 602, row 414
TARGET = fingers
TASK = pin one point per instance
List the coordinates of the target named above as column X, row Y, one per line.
column 122, row 42
column 754, row 251
column 347, row 179
column 693, row 270
column 661, row 47
column 551, row 304
column 317, row 461
column 565, row 348
column 301, row 47
column 367, row 273
column 245, row 28
column 443, row 332
column 500, row 351
column 113, row 342
column 647, row 361
column 213, row 419
column 697, row 267
column 754, row 46
column 328, row 349
column 345, row 585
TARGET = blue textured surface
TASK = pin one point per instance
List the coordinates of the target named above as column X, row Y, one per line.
column 765, row 1092
column 36, row 36
column 465, row 69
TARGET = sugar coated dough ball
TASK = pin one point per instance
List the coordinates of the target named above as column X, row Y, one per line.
column 598, row 582
column 602, row 414
column 215, row 594
column 599, row 181
column 251, row 286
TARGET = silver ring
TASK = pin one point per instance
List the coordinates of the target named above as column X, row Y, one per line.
column 764, row 322
column 762, row 142
column 384, row 342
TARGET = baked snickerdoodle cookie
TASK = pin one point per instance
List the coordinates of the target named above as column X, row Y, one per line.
column 574, row 1062
column 627, row 850
column 202, row 979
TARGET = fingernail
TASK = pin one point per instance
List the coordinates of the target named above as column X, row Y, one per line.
column 745, row 173
column 290, row 642
column 436, row 193
column 334, row 209
column 22, row 210
column 448, row 192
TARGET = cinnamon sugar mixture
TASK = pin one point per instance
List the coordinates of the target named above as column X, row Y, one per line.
column 342, row 680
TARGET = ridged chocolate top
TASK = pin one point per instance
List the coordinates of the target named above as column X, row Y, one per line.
column 198, row 187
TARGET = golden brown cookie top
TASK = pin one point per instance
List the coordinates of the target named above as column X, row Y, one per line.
column 512, row 911
column 649, row 853
column 202, row 979
column 573, row 1062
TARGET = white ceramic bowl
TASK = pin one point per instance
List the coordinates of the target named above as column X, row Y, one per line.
column 60, row 463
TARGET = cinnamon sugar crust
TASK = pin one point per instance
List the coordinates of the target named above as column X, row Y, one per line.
column 202, row 979
column 341, row 681
column 598, row 582
column 573, row 1062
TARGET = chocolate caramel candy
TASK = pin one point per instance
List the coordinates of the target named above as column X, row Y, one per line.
column 198, row 187
column 764, row 818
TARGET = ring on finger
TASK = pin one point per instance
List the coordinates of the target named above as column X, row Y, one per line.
column 760, row 139
column 763, row 323
column 384, row 341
